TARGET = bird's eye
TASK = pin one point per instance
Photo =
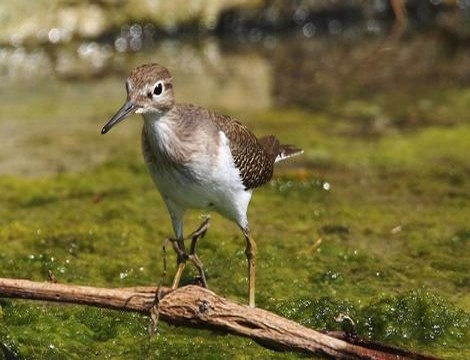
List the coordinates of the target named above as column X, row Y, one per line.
column 158, row 88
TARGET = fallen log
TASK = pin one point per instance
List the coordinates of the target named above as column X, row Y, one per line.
column 198, row 307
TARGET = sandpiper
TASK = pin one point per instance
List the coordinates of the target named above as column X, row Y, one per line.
column 198, row 159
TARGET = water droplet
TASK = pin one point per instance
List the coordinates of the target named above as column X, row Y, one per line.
column 135, row 44
column 120, row 44
column 54, row 35
column 308, row 29
column 300, row 15
column 136, row 30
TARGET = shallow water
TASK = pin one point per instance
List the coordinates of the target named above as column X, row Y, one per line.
column 371, row 221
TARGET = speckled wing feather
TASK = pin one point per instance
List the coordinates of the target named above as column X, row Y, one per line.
column 271, row 145
column 252, row 159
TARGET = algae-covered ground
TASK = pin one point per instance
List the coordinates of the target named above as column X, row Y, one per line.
column 375, row 226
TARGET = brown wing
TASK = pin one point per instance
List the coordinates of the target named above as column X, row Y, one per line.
column 254, row 158
column 271, row 145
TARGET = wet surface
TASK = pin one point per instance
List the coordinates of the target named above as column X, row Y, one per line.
column 371, row 222
column 369, row 87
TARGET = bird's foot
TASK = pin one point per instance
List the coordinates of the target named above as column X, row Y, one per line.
column 195, row 236
column 198, row 281
column 182, row 256
column 201, row 279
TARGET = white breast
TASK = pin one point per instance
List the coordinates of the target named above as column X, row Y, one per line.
column 209, row 179
column 233, row 199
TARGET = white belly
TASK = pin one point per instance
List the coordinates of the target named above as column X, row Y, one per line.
column 212, row 182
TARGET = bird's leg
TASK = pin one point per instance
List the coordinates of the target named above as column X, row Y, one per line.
column 181, row 257
column 199, row 233
column 251, row 256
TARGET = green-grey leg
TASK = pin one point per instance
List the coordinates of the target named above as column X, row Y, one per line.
column 251, row 257
column 199, row 233
column 181, row 257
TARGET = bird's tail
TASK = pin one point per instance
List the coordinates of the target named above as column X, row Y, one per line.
column 287, row 151
column 278, row 151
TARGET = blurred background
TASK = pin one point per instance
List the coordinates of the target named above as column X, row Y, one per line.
column 314, row 55
column 371, row 221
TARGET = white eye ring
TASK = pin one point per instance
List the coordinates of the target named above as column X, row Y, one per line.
column 158, row 88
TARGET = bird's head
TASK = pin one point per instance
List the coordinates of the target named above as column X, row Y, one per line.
column 149, row 90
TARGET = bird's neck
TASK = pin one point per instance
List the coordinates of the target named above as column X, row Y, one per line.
column 163, row 134
column 152, row 117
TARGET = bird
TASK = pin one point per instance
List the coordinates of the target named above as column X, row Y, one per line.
column 198, row 159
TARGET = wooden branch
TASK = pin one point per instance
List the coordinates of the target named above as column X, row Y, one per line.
column 198, row 307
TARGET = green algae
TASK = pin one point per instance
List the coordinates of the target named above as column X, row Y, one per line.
column 373, row 227
column 394, row 252
column 419, row 318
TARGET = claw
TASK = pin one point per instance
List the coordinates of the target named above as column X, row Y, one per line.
column 182, row 256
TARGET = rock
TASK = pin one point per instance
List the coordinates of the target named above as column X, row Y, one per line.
column 87, row 21
column 38, row 22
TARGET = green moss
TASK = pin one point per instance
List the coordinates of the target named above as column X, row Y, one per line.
column 372, row 227
column 420, row 316
column 417, row 318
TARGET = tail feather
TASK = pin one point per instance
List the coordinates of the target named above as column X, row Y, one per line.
column 278, row 151
column 287, row 151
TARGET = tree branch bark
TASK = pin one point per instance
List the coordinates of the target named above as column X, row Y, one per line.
column 198, row 307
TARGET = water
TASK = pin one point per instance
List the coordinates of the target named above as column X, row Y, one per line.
column 371, row 221
column 370, row 85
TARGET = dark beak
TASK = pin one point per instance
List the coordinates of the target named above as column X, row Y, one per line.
column 126, row 110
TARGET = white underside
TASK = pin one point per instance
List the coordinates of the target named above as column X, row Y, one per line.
column 214, row 183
